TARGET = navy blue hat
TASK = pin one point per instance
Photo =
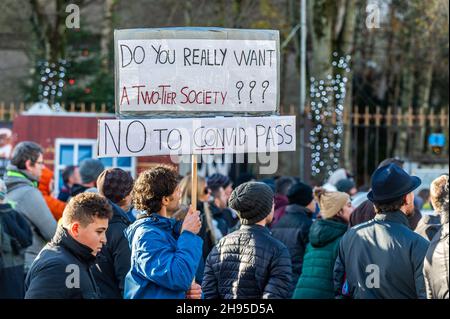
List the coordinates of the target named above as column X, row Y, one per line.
column 391, row 182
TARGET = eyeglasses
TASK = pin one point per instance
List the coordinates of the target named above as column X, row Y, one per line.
column 40, row 163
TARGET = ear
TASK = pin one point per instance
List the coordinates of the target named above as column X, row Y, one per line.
column 28, row 164
column 165, row 201
column 75, row 229
column 409, row 198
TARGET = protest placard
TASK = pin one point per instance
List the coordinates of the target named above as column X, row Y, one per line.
column 144, row 137
column 235, row 73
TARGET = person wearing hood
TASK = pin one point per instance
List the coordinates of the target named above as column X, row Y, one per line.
column 165, row 253
column 316, row 280
column 46, row 187
column 89, row 170
column 15, row 236
column 21, row 180
column 436, row 267
column 249, row 263
column 293, row 228
column 113, row 261
column 63, row 268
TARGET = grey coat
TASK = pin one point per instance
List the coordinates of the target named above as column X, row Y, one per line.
column 381, row 259
column 27, row 200
column 436, row 263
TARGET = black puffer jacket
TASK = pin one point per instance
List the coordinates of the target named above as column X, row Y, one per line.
column 62, row 271
column 436, row 265
column 248, row 264
column 113, row 262
column 293, row 231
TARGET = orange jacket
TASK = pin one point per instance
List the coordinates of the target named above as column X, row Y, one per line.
column 56, row 206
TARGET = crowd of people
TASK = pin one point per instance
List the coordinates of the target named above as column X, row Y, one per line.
column 108, row 236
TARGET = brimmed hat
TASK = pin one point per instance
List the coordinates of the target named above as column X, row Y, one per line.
column 391, row 182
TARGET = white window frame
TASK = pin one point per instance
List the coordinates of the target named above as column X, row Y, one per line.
column 77, row 142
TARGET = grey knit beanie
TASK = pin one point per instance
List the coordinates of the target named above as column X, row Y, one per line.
column 252, row 201
column 90, row 169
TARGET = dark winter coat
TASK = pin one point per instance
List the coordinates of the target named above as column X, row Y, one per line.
column 15, row 236
column 381, row 259
column 113, row 262
column 293, row 231
column 62, row 270
column 248, row 264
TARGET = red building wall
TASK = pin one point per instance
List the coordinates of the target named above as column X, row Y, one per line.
column 45, row 129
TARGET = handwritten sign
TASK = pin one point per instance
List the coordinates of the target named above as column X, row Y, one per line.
column 144, row 137
column 197, row 75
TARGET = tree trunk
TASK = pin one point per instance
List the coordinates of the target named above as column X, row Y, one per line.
column 347, row 47
column 407, row 95
column 106, row 33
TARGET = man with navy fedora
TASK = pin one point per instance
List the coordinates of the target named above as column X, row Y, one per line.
column 383, row 258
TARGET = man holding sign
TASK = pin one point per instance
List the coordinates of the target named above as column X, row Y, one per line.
column 164, row 253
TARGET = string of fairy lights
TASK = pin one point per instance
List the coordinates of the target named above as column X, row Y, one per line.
column 51, row 80
column 327, row 97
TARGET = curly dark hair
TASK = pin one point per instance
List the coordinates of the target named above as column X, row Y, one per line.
column 85, row 207
column 152, row 185
column 391, row 206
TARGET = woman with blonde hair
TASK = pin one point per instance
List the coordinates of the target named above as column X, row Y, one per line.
column 209, row 231
column 316, row 280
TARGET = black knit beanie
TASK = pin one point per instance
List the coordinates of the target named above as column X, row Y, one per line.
column 252, row 201
column 300, row 194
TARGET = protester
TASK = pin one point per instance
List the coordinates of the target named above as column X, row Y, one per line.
column 335, row 177
column 436, row 263
column 15, row 236
column 62, row 269
column 218, row 180
column 21, row 180
column 46, row 188
column 113, row 262
column 214, row 182
column 423, row 199
column 218, row 206
column 282, row 186
column 165, row 253
column 347, row 185
column 90, row 169
column 249, row 263
column 389, row 254
column 293, row 228
column 366, row 211
column 316, row 280
column 70, row 177
column 428, row 226
column 209, row 232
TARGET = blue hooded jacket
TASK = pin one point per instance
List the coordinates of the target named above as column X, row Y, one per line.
column 163, row 261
